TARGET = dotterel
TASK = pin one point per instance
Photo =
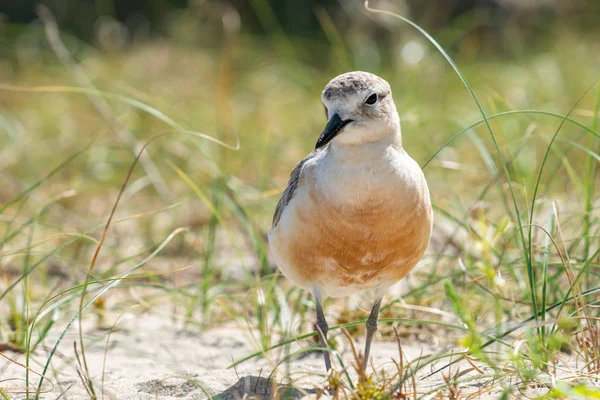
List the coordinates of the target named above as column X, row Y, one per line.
column 356, row 215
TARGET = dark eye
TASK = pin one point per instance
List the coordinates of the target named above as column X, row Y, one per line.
column 326, row 113
column 372, row 99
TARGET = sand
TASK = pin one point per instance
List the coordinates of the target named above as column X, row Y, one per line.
column 150, row 357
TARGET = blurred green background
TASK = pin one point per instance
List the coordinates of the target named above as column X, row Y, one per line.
column 495, row 25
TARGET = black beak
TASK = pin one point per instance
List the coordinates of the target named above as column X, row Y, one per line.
column 333, row 127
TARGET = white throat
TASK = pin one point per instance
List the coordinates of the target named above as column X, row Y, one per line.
column 355, row 174
column 360, row 133
column 347, row 149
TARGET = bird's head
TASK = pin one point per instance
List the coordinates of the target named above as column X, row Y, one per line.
column 360, row 109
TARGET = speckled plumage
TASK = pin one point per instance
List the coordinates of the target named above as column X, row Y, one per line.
column 354, row 82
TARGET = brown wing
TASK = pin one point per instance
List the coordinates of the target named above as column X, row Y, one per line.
column 288, row 193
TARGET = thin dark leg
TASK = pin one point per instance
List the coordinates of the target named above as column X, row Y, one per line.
column 371, row 329
column 323, row 328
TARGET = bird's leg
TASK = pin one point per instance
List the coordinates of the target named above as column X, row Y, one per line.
column 371, row 329
column 323, row 328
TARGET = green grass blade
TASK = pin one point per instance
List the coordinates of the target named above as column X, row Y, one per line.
column 100, row 293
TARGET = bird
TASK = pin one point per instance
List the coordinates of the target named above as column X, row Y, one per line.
column 356, row 215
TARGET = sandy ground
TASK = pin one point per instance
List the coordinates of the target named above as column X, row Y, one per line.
column 150, row 358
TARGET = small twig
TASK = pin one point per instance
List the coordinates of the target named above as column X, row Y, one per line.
column 28, row 368
column 357, row 357
column 257, row 380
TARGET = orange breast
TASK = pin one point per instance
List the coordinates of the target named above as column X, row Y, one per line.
column 361, row 245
